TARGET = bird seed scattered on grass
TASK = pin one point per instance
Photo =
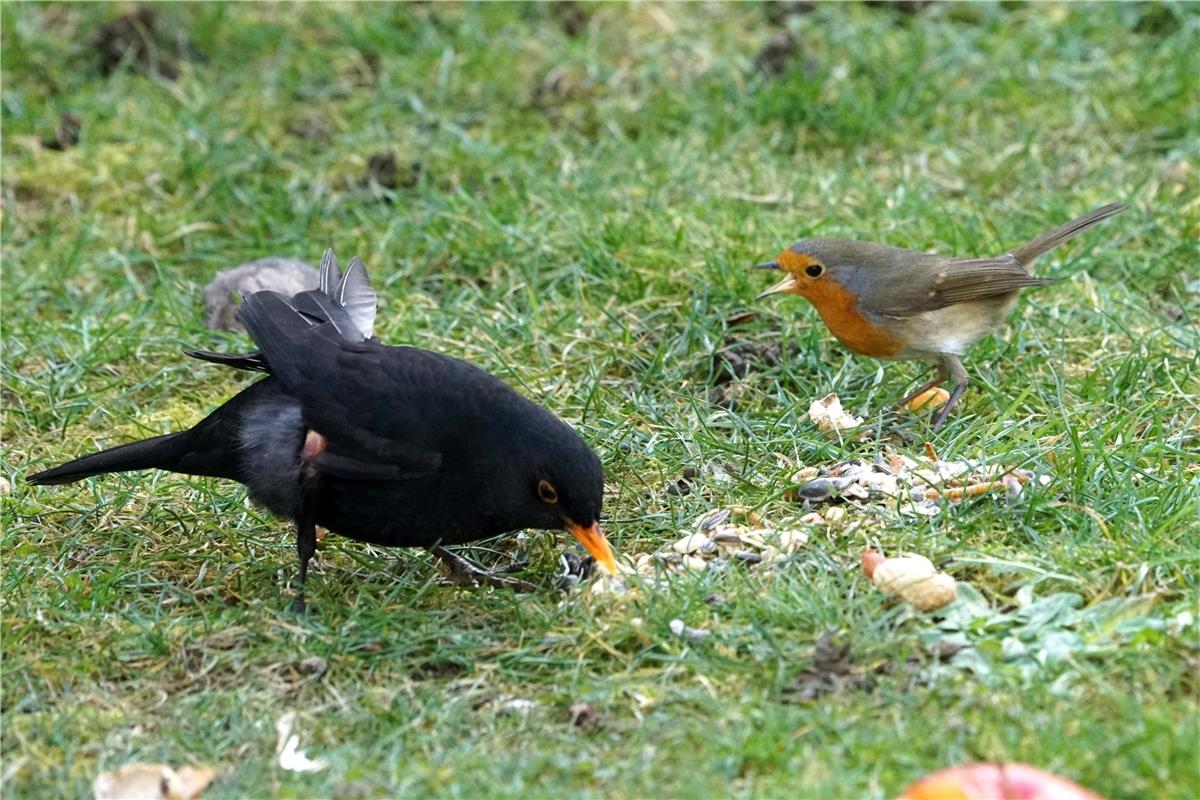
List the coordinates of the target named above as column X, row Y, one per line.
column 920, row 487
column 678, row 628
column 715, row 542
column 828, row 415
column 914, row 578
column 928, row 400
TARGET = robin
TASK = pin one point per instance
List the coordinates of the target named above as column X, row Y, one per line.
column 891, row 303
column 394, row 446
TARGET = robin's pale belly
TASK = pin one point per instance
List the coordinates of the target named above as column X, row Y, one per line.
column 951, row 330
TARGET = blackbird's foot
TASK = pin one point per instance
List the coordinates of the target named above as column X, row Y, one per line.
column 465, row 573
column 299, row 606
column 574, row 570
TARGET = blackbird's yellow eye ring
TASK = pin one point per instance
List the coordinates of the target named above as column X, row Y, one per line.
column 546, row 492
column 814, row 270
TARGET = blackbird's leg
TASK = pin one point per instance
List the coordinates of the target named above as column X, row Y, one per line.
column 959, row 374
column 306, row 546
column 938, row 380
column 306, row 517
column 463, row 571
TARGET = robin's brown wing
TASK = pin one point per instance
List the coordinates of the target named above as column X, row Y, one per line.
column 935, row 283
column 980, row 278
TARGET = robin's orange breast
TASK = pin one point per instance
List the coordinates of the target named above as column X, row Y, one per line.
column 838, row 309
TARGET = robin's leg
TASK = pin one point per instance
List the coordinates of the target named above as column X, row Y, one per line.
column 463, row 571
column 938, row 380
column 306, row 546
column 958, row 374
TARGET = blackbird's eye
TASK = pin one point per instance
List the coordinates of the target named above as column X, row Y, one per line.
column 546, row 492
column 814, row 270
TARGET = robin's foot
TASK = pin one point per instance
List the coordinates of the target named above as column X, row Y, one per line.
column 465, row 573
column 299, row 606
column 955, row 368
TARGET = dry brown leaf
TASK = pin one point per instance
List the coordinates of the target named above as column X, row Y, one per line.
column 141, row 781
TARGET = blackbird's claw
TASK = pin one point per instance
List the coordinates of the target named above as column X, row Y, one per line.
column 465, row 573
column 306, row 547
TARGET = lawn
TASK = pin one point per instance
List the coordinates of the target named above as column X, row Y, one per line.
column 577, row 196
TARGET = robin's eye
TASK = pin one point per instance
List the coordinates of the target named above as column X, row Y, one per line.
column 546, row 492
column 814, row 270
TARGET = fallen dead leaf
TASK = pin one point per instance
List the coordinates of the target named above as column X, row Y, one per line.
column 141, row 781
column 829, row 669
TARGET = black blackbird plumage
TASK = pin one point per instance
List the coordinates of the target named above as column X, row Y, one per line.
column 390, row 445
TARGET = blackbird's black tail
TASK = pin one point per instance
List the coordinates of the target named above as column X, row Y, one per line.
column 160, row 452
column 212, row 448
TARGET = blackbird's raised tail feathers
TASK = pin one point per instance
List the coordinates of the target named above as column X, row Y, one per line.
column 330, row 272
column 320, row 307
column 281, row 332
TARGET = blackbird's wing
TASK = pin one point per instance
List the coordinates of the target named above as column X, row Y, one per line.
column 378, row 407
column 345, row 301
column 354, row 293
column 933, row 282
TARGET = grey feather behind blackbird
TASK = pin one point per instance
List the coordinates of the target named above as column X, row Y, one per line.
column 223, row 293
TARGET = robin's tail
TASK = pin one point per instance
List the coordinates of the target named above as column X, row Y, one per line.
column 161, row 452
column 1026, row 253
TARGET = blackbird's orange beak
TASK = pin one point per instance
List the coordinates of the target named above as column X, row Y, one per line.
column 785, row 285
column 595, row 543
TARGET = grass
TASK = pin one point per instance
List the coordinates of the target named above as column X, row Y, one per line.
column 587, row 242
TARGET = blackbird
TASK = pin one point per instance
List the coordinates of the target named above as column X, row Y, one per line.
column 394, row 446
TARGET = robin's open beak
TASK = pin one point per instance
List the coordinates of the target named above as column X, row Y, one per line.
column 767, row 265
column 595, row 543
column 785, row 285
